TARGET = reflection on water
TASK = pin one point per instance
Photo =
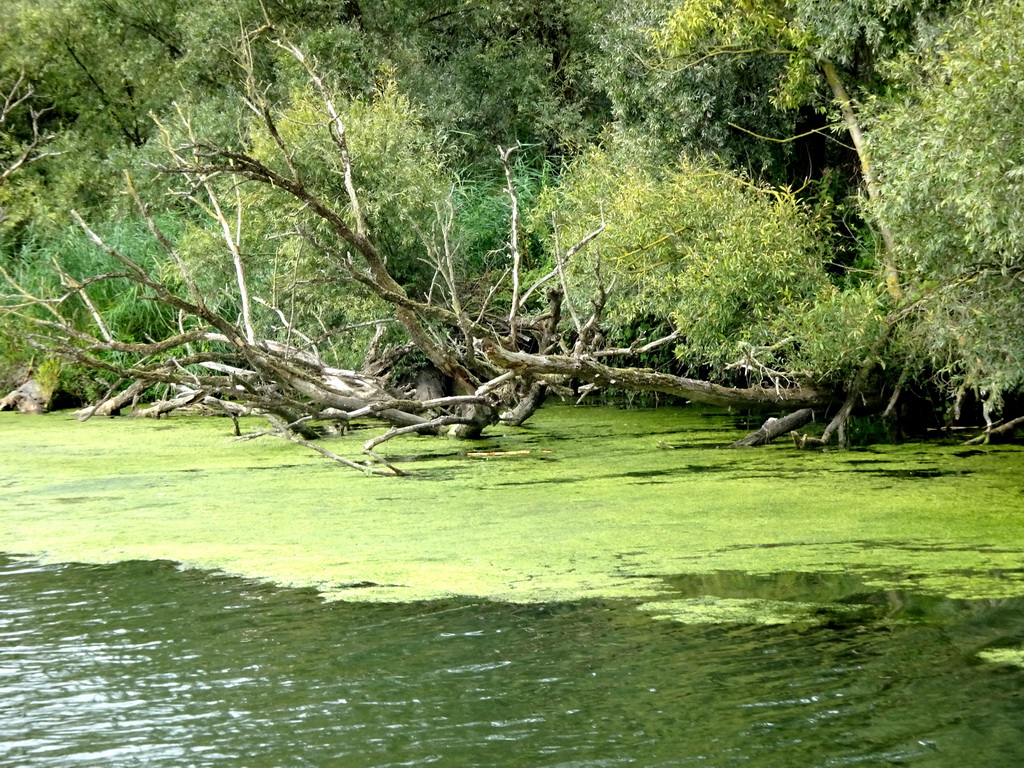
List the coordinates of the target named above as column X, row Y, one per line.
column 143, row 664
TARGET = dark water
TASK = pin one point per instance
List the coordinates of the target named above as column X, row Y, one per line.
column 142, row 664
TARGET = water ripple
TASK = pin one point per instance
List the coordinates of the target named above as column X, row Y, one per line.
column 145, row 664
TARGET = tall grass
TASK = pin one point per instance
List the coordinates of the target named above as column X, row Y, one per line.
column 483, row 209
column 36, row 265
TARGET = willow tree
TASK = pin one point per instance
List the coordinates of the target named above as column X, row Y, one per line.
column 351, row 191
column 828, row 52
column 950, row 151
column 691, row 259
column 667, row 108
column 354, row 195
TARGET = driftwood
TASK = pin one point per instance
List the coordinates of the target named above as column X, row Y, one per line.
column 1000, row 431
column 774, row 428
column 184, row 400
column 111, row 406
column 30, row 397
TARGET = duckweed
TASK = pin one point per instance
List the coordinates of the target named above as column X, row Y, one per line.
column 581, row 503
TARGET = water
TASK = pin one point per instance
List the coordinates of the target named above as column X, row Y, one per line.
column 591, row 503
column 141, row 663
column 532, row 614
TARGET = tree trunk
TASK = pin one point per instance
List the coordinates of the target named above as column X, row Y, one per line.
column 30, row 397
column 527, row 406
column 183, row 400
column 113, row 405
column 775, row 427
column 647, row 380
column 892, row 282
column 1001, row 431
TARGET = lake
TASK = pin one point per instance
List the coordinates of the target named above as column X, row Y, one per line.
column 614, row 587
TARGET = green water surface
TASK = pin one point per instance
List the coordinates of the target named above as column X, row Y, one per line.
column 619, row 588
column 144, row 664
column 607, row 503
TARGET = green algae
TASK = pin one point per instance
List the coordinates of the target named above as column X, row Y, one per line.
column 596, row 509
column 1013, row 657
column 733, row 610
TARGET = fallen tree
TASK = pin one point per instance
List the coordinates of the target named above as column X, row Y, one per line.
column 502, row 350
column 585, row 368
column 773, row 428
column 28, row 397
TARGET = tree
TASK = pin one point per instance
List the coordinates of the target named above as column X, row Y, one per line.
column 479, row 340
column 496, row 72
column 670, row 109
column 22, row 143
column 826, row 44
column 21, row 140
column 720, row 259
column 285, row 154
column 950, row 151
column 318, row 228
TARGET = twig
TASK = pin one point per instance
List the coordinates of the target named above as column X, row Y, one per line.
column 440, row 421
column 583, row 243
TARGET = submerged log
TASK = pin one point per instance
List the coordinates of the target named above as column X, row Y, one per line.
column 773, row 428
column 112, row 406
column 997, row 431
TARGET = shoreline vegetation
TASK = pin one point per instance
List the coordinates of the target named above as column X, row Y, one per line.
column 439, row 218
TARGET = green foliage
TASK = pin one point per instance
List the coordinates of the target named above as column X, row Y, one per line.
column 802, row 33
column 48, row 376
column 482, row 209
column 124, row 306
column 497, row 72
column 104, row 66
column 398, row 170
column 99, row 67
column 723, row 260
column 428, row 88
column 950, row 148
column 46, row 266
column 709, row 28
column 837, row 332
column 672, row 105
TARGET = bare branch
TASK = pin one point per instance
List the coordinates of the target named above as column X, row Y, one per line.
column 233, row 243
column 647, row 380
column 69, row 282
column 337, row 131
column 513, row 239
column 633, row 349
column 30, row 299
column 15, row 97
column 285, row 431
column 165, row 242
column 432, row 424
column 558, row 270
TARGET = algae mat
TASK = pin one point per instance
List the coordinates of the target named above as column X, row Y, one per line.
column 583, row 503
